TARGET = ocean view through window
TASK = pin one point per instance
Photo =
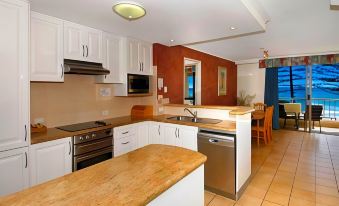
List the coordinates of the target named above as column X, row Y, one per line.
column 325, row 87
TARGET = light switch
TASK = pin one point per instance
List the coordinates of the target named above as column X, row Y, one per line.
column 165, row 89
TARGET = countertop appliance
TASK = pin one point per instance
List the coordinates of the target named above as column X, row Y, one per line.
column 83, row 126
column 92, row 148
column 138, row 84
column 220, row 170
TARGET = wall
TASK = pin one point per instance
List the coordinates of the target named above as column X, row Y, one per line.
column 170, row 64
column 78, row 100
column 252, row 80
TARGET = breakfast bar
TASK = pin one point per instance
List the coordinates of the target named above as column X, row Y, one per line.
column 152, row 175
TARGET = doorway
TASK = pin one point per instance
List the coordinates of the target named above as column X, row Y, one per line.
column 192, row 82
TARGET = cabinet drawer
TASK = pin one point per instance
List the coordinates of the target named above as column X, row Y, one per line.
column 122, row 132
column 124, row 145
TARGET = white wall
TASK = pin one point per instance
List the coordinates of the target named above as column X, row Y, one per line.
column 252, row 80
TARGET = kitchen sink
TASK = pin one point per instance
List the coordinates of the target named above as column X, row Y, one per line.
column 195, row 120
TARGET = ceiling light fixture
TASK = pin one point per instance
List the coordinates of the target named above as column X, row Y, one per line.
column 129, row 10
column 172, row 40
column 232, row 28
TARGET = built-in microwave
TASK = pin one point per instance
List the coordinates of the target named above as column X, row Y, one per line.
column 138, row 84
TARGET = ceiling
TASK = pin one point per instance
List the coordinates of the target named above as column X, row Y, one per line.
column 295, row 27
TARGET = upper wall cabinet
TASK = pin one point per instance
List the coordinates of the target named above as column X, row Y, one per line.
column 139, row 57
column 46, row 48
column 14, row 82
column 111, row 50
column 82, row 43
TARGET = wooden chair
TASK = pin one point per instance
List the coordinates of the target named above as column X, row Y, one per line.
column 264, row 128
column 259, row 106
column 270, row 124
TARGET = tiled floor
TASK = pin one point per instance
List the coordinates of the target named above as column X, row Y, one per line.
column 296, row 168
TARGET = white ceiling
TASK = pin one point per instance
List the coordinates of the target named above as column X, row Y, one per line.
column 295, row 27
column 185, row 21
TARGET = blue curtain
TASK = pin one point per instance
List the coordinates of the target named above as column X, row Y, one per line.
column 272, row 93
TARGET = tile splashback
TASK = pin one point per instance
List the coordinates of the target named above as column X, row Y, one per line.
column 77, row 100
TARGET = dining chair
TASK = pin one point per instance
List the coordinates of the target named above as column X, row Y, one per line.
column 270, row 124
column 316, row 115
column 263, row 128
column 259, row 106
column 292, row 111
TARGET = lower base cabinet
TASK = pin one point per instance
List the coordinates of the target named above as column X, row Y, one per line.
column 181, row 136
column 14, row 174
column 50, row 160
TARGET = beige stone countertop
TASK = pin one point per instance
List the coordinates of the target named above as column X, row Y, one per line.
column 53, row 133
column 235, row 110
column 135, row 178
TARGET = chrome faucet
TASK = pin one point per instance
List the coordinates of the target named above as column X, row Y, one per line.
column 194, row 114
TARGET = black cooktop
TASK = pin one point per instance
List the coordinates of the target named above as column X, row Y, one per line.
column 83, row 126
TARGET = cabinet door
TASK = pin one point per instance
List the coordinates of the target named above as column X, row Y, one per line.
column 111, row 60
column 156, row 133
column 171, row 134
column 74, row 41
column 14, row 170
column 188, row 137
column 46, row 48
column 143, row 136
column 50, row 160
column 14, row 82
column 145, row 57
column 93, row 45
column 125, row 145
column 133, row 65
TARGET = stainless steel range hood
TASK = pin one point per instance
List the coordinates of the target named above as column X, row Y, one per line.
column 86, row 68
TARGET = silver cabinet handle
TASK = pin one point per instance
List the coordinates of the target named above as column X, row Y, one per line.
column 178, row 133
column 62, row 72
column 83, row 50
column 142, row 66
column 139, row 66
column 159, row 129
column 87, row 50
column 70, row 148
column 125, row 132
column 26, row 160
column 125, row 143
column 176, row 129
column 25, row 133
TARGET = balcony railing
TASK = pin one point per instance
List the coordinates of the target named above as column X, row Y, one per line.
column 330, row 106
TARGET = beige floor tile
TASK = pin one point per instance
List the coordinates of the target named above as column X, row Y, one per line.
column 246, row 200
column 281, row 188
column 327, row 200
column 326, row 182
column 255, row 192
column 332, row 191
column 277, row 198
column 267, row 203
column 300, row 202
column 303, row 194
column 221, row 201
column 304, row 186
column 208, row 197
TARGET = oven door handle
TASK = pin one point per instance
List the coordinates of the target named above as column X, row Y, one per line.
column 93, row 154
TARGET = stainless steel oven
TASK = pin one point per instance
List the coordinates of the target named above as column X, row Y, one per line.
column 138, row 84
column 92, row 148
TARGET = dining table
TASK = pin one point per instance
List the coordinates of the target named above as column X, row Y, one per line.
column 258, row 115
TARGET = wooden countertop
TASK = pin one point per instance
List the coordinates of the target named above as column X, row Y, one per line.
column 135, row 178
column 53, row 133
column 235, row 110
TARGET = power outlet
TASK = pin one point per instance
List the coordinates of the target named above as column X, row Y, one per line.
column 39, row 120
column 105, row 113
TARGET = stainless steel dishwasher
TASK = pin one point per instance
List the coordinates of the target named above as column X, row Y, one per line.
column 219, row 147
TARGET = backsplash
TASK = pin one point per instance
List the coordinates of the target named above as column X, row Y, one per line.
column 78, row 100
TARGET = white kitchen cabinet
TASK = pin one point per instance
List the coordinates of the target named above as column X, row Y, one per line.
column 111, row 49
column 14, row 174
column 49, row 160
column 125, row 139
column 139, row 57
column 47, row 47
column 142, row 134
column 82, row 43
column 14, row 82
column 156, row 133
column 181, row 136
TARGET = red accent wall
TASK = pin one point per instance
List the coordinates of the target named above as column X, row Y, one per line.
column 170, row 64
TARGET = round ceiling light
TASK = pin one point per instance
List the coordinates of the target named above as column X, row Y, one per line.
column 129, row 10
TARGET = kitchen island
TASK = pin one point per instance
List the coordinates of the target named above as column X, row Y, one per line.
column 152, row 175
